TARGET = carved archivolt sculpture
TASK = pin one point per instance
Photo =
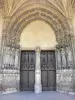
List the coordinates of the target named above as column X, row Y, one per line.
column 30, row 12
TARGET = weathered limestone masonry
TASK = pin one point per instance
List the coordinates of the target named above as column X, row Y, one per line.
column 10, row 55
column 65, row 77
column 10, row 68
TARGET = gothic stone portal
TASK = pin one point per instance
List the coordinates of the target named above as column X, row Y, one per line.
column 27, row 70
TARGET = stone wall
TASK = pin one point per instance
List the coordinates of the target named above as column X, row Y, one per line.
column 65, row 70
column 65, row 80
column 10, row 71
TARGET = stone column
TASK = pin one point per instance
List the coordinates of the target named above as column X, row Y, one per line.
column 38, row 86
column 3, row 40
column 17, row 66
column 72, row 46
column 63, row 58
column 16, row 58
column 2, row 50
column 58, row 58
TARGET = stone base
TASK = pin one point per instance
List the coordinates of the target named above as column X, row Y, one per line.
column 65, row 81
column 38, row 89
column 71, row 93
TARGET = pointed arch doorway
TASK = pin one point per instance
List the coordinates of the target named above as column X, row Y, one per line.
column 45, row 39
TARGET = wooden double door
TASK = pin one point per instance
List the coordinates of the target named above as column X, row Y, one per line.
column 27, row 70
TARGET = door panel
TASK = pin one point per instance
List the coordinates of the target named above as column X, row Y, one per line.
column 51, row 80
column 44, row 79
column 27, row 70
column 48, row 73
column 31, row 79
column 24, row 80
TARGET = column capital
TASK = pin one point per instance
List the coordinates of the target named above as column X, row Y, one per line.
column 38, row 49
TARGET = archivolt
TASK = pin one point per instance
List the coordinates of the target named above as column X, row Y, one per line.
column 30, row 13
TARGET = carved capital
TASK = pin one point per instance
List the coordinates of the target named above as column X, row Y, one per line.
column 38, row 49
